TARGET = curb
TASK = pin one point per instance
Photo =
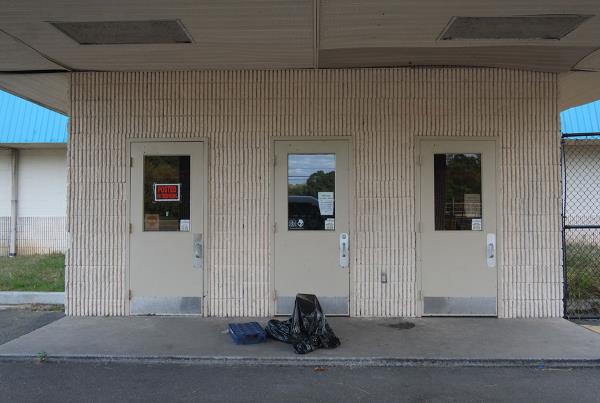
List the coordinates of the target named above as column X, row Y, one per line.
column 356, row 362
column 31, row 297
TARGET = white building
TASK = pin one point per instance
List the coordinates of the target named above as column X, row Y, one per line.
column 581, row 158
column 33, row 156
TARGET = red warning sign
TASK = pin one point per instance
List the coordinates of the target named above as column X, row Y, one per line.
column 167, row 192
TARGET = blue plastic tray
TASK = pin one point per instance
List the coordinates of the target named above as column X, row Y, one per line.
column 247, row 333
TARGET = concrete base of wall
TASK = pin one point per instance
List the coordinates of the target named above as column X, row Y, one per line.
column 31, row 297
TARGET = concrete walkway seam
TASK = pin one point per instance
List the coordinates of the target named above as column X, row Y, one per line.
column 312, row 362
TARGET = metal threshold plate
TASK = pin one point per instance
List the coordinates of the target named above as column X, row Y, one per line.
column 460, row 306
column 166, row 306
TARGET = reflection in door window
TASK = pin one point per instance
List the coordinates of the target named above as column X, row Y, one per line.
column 311, row 191
column 457, row 192
column 166, row 193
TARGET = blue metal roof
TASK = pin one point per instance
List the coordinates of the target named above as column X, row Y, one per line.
column 23, row 121
column 584, row 119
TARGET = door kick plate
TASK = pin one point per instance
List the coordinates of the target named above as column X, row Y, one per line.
column 465, row 306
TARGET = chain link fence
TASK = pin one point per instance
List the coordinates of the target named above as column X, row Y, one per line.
column 581, row 226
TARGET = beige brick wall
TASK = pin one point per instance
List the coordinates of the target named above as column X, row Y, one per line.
column 383, row 110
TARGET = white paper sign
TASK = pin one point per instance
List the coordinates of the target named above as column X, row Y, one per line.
column 472, row 205
column 184, row 225
column 326, row 201
column 330, row 224
column 476, row 224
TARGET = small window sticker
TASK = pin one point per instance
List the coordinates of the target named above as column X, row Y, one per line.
column 476, row 224
column 330, row 224
column 151, row 222
column 184, row 225
column 295, row 223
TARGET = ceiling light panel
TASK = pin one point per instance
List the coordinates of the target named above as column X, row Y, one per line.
column 517, row 27
column 125, row 32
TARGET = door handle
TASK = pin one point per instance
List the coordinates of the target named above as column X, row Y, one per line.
column 198, row 252
column 344, row 250
column 491, row 250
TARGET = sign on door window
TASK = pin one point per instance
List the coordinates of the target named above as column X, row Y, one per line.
column 457, row 192
column 166, row 193
column 311, row 192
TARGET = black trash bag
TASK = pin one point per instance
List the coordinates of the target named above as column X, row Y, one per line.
column 307, row 329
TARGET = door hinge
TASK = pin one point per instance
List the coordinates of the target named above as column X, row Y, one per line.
column 130, row 228
column 274, row 160
column 131, row 162
column 274, row 227
column 420, row 295
column 420, row 160
column 130, row 295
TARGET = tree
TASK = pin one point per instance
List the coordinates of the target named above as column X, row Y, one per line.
column 317, row 182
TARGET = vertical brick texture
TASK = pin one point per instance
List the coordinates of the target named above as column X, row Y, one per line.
column 384, row 111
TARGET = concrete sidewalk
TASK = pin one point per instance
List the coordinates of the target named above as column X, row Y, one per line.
column 365, row 342
column 15, row 321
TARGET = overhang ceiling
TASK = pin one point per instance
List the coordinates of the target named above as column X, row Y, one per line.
column 264, row 34
column 47, row 89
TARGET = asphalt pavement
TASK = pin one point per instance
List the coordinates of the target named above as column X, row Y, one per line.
column 16, row 322
column 119, row 382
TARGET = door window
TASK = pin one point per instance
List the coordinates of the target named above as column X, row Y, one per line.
column 457, row 192
column 166, row 193
column 311, row 192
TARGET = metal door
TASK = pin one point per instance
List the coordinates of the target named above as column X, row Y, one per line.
column 312, row 240
column 167, row 227
column 458, row 248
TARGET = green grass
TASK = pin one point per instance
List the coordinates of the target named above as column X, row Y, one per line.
column 33, row 273
column 583, row 270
